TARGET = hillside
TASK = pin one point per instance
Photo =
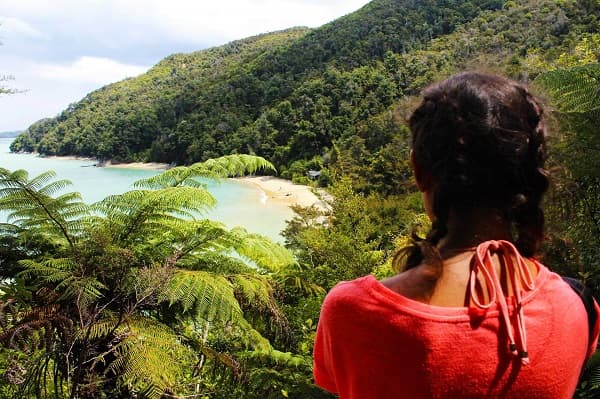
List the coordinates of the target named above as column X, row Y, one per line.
column 11, row 134
column 311, row 98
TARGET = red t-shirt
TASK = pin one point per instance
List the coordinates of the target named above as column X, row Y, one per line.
column 373, row 343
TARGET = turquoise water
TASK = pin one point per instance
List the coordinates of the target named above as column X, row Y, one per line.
column 238, row 204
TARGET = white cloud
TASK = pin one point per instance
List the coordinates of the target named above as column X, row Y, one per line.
column 48, row 88
column 15, row 27
column 60, row 50
column 236, row 19
column 201, row 21
column 90, row 70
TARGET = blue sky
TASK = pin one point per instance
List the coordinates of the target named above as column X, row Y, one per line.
column 57, row 51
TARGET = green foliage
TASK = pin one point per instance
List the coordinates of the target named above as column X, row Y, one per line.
column 264, row 95
column 31, row 205
column 574, row 205
column 322, row 99
column 575, row 90
column 351, row 241
column 135, row 295
column 589, row 386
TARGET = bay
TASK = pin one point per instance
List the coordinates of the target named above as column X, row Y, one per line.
column 238, row 204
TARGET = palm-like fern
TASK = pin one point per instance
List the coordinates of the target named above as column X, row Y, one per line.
column 265, row 253
column 31, row 204
column 574, row 90
column 144, row 213
column 148, row 357
column 142, row 280
column 217, row 168
column 204, row 294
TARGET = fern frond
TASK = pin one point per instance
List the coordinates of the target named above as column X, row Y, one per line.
column 174, row 177
column 54, row 187
column 149, row 357
column 100, row 328
column 232, row 165
column 31, row 205
column 223, row 358
column 291, row 277
column 48, row 271
column 63, row 277
column 575, row 90
column 257, row 294
column 215, row 262
column 256, row 290
column 8, row 229
column 141, row 213
column 199, row 238
column 216, row 168
column 267, row 254
column 253, row 338
column 31, row 328
column 204, row 294
column 275, row 358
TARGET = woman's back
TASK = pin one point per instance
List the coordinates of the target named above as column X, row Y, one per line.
column 506, row 327
column 376, row 343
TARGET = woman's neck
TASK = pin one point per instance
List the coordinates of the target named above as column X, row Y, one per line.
column 467, row 229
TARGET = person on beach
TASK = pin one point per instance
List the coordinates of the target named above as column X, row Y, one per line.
column 473, row 314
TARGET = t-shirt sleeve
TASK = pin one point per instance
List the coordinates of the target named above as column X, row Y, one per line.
column 323, row 351
column 594, row 340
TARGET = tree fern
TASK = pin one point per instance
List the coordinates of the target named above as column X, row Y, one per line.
column 31, row 205
column 291, row 277
column 264, row 252
column 149, row 357
column 139, row 280
column 256, row 290
column 257, row 296
column 142, row 213
column 217, row 168
column 204, row 294
column 8, row 229
column 194, row 239
column 65, row 278
column 576, row 94
column 41, row 333
column 574, row 90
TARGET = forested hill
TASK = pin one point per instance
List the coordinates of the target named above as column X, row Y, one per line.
column 317, row 98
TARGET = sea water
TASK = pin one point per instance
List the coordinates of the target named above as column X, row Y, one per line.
column 238, row 204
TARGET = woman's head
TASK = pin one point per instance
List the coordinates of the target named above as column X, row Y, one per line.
column 480, row 140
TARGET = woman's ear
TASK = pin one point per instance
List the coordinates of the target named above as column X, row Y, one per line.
column 423, row 177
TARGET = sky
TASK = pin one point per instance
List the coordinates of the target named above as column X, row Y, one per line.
column 55, row 52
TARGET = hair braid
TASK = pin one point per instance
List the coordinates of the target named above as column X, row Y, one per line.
column 528, row 215
column 482, row 139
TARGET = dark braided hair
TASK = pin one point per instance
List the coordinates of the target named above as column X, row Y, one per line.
column 482, row 140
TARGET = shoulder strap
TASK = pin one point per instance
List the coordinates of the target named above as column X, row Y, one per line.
column 588, row 301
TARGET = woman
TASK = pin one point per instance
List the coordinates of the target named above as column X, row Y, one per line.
column 473, row 314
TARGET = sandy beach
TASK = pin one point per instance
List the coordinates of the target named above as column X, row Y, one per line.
column 274, row 188
column 284, row 191
column 65, row 157
column 109, row 164
column 137, row 165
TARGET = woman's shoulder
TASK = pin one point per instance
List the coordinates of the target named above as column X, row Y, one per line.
column 349, row 288
column 351, row 293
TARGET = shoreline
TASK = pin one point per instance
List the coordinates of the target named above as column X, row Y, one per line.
column 109, row 164
column 274, row 188
column 136, row 165
column 284, row 191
